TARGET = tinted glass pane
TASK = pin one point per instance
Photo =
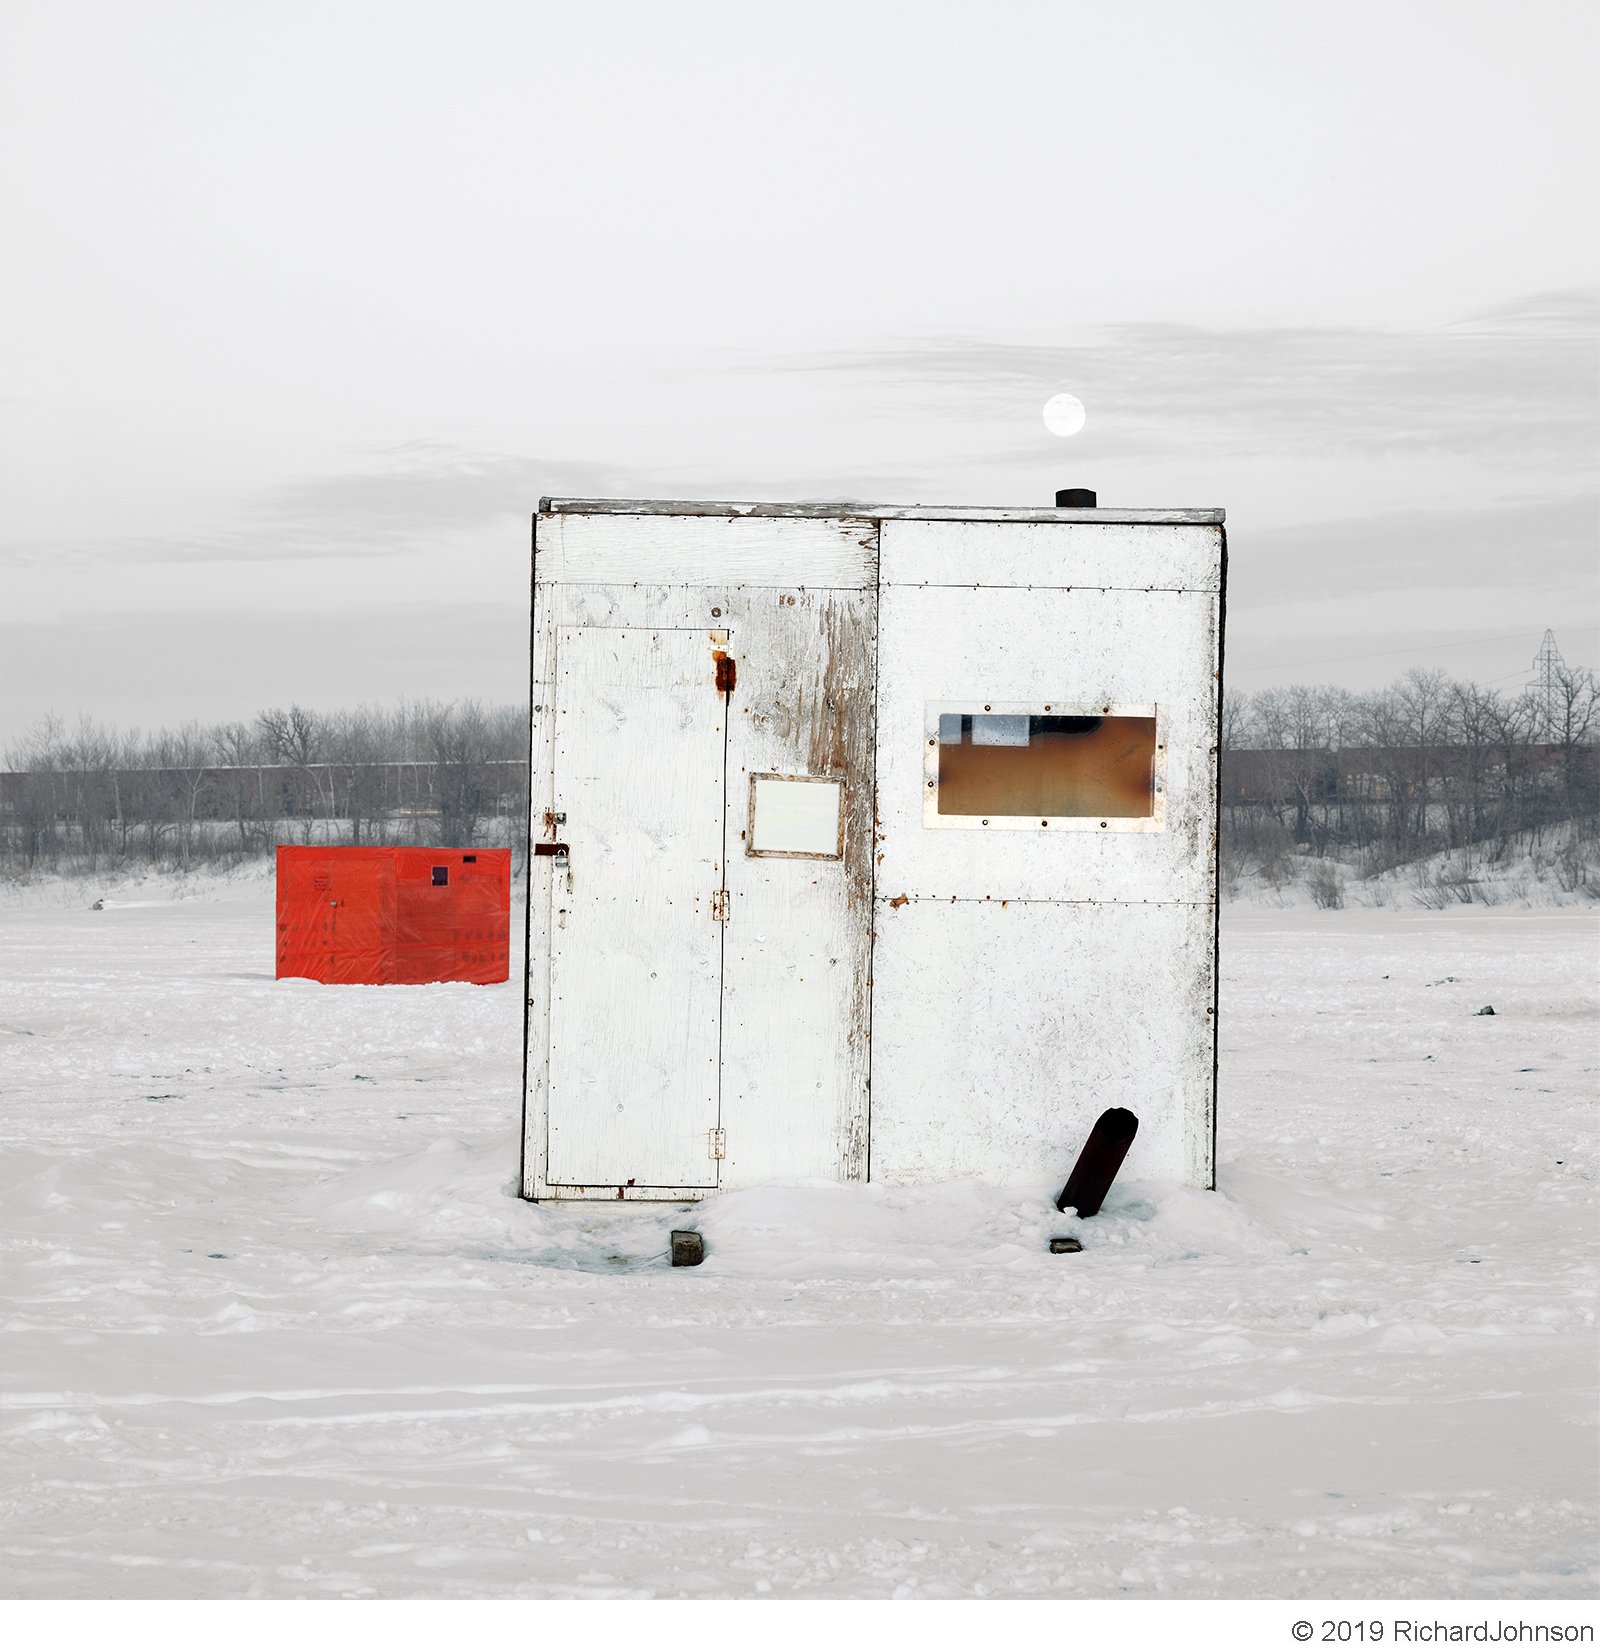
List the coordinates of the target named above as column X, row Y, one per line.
column 1049, row 767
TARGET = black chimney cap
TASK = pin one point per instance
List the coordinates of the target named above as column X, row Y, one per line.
column 1076, row 498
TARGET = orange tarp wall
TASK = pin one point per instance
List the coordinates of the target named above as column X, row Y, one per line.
column 394, row 916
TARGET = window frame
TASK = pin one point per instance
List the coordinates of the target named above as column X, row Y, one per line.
column 1143, row 824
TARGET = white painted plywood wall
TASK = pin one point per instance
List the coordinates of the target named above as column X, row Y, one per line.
column 635, row 957
column 797, row 958
column 1026, row 979
column 1019, row 983
column 795, row 602
column 1003, row 1028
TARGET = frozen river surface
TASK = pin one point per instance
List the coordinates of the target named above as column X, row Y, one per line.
column 274, row 1323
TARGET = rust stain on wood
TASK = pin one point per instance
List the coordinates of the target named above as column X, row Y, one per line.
column 830, row 727
column 727, row 670
column 898, row 901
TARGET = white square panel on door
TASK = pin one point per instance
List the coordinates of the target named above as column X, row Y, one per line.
column 794, row 816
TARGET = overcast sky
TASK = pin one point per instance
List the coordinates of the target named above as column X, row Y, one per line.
column 309, row 304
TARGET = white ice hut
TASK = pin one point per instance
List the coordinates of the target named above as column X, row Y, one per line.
column 869, row 843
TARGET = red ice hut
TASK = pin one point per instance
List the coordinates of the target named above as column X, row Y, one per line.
column 394, row 916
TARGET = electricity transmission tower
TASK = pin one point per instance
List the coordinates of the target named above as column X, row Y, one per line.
column 1547, row 668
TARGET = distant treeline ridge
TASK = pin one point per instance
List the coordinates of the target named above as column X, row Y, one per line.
column 446, row 775
column 1424, row 765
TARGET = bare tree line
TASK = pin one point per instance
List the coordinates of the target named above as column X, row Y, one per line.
column 1425, row 766
column 1373, row 780
column 449, row 774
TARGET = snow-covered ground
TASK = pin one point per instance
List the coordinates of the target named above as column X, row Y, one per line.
column 274, row 1323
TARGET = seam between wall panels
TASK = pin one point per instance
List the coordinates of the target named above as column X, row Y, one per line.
column 1216, row 932
column 1007, row 899
column 872, row 847
column 875, row 514
column 722, row 940
column 876, row 590
column 1132, row 589
column 527, row 868
column 548, row 751
column 550, row 898
column 729, row 584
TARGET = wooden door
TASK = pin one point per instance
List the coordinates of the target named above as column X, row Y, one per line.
column 636, row 930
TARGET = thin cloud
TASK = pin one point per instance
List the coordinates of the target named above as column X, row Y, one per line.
column 401, row 496
column 424, row 487
column 1517, row 383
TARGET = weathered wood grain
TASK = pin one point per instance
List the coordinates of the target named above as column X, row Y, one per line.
column 1002, row 1030
column 867, row 512
column 1072, row 649
column 796, row 1006
column 1001, row 986
column 704, row 550
column 1055, row 555
column 541, row 876
column 635, row 952
column 796, row 981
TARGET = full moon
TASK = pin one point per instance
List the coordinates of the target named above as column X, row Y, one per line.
column 1064, row 414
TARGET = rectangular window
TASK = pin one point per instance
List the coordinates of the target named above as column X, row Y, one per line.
column 793, row 816
column 441, row 876
column 1019, row 767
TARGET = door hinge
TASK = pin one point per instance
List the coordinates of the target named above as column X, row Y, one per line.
column 717, row 1140
column 719, row 905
